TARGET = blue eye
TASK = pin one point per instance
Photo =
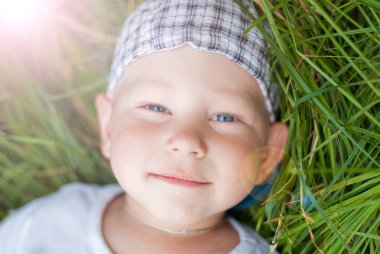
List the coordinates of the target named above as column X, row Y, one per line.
column 157, row 108
column 224, row 118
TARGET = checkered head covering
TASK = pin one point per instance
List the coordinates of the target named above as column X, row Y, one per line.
column 210, row 25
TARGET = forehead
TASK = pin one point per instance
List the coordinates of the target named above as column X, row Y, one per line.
column 185, row 65
column 191, row 71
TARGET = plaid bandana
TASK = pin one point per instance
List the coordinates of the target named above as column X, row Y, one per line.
column 214, row 26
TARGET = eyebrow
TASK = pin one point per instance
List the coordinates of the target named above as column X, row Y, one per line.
column 248, row 99
column 157, row 82
column 234, row 95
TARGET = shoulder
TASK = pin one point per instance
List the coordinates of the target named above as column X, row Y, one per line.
column 74, row 198
column 78, row 195
column 63, row 214
column 250, row 241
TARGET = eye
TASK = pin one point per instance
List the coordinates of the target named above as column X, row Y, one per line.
column 223, row 117
column 155, row 107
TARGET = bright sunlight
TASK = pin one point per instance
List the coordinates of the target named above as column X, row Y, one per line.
column 23, row 16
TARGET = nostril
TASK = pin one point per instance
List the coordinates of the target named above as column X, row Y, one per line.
column 187, row 151
column 186, row 145
column 197, row 154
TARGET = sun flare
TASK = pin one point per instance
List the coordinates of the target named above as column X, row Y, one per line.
column 22, row 16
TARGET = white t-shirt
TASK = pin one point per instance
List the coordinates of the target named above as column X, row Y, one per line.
column 69, row 221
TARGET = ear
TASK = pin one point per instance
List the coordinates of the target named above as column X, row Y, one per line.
column 278, row 134
column 104, row 109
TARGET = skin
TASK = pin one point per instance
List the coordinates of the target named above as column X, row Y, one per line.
column 187, row 135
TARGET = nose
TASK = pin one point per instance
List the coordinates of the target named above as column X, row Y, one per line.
column 186, row 141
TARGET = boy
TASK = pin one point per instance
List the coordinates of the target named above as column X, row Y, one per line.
column 188, row 127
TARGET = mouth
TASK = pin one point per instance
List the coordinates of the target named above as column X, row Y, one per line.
column 186, row 181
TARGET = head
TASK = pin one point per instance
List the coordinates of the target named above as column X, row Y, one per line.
column 188, row 120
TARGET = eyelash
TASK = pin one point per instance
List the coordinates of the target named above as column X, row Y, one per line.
column 234, row 118
column 157, row 106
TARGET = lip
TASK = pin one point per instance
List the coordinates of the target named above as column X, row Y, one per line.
column 182, row 180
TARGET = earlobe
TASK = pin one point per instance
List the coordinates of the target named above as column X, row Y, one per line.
column 104, row 109
column 278, row 134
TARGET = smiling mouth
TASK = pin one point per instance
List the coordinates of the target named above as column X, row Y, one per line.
column 178, row 180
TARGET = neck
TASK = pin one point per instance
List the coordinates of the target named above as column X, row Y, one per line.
column 172, row 231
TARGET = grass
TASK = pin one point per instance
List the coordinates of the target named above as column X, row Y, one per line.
column 326, row 60
column 325, row 57
column 47, row 120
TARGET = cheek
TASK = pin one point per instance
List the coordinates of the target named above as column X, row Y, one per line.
column 251, row 166
column 231, row 158
column 129, row 150
column 232, row 153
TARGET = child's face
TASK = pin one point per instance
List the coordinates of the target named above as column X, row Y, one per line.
column 183, row 114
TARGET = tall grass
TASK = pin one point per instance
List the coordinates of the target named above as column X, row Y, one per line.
column 326, row 59
column 48, row 81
